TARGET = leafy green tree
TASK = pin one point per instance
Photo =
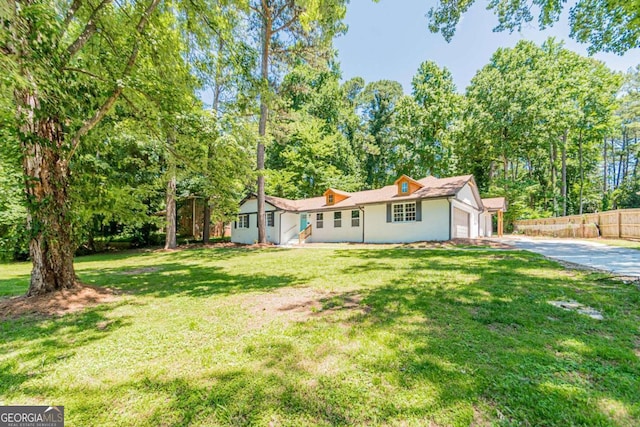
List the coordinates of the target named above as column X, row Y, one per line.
column 621, row 151
column 285, row 29
column 607, row 25
column 310, row 151
column 435, row 92
column 68, row 65
column 378, row 102
column 533, row 124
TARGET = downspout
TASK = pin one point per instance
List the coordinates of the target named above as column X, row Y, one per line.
column 450, row 216
column 280, row 228
column 362, row 210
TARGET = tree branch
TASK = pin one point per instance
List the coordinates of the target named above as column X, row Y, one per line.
column 288, row 4
column 287, row 24
column 104, row 109
column 6, row 50
column 70, row 14
column 89, row 29
column 256, row 10
column 80, row 70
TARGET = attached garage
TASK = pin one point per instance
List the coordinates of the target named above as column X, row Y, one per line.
column 461, row 220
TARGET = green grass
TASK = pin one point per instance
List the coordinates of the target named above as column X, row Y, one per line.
column 633, row 244
column 330, row 337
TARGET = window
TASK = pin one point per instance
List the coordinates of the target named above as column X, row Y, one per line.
column 270, row 219
column 337, row 219
column 403, row 212
column 404, row 187
column 319, row 220
column 410, row 212
column 243, row 221
column 330, row 199
column 355, row 218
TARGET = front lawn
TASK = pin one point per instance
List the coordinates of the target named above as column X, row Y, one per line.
column 330, row 337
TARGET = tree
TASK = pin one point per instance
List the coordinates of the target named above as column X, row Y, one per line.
column 222, row 59
column 532, row 128
column 607, row 25
column 285, row 27
column 69, row 64
column 378, row 102
column 621, row 148
column 434, row 91
column 310, row 152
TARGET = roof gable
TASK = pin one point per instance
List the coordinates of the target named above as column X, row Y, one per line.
column 495, row 204
column 407, row 185
column 334, row 196
column 430, row 187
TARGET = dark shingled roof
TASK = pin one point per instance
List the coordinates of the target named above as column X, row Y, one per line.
column 495, row 204
column 432, row 188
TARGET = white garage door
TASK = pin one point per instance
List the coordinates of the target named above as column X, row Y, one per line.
column 460, row 223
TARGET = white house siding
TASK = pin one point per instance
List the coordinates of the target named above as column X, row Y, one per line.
column 329, row 233
column 434, row 224
column 486, row 225
column 465, row 195
column 474, row 218
column 290, row 226
column 250, row 235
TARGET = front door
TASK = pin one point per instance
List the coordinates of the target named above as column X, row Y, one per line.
column 303, row 221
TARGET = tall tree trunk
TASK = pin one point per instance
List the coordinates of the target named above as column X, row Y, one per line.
column 46, row 149
column 554, row 175
column 604, row 169
column 46, row 170
column 564, row 173
column 170, row 237
column 262, row 126
column 626, row 150
column 215, row 108
column 581, row 170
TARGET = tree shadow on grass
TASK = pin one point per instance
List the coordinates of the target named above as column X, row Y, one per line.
column 168, row 279
column 275, row 391
column 175, row 255
column 490, row 326
column 32, row 346
column 19, row 285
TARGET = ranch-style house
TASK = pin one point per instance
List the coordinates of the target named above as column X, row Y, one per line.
column 410, row 210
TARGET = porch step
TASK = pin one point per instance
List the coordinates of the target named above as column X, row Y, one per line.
column 292, row 242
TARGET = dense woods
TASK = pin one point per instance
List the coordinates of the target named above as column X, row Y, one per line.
column 111, row 112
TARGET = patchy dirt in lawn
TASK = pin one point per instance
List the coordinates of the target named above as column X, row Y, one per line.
column 56, row 303
column 461, row 244
column 455, row 243
column 141, row 270
column 301, row 304
column 217, row 246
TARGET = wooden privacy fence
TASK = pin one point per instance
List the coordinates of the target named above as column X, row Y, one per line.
column 621, row 223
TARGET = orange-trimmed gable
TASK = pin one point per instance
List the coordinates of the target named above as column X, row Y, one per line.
column 333, row 196
column 407, row 185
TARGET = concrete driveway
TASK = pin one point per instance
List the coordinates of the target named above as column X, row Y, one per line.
column 622, row 261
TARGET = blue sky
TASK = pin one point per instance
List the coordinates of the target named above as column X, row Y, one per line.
column 389, row 40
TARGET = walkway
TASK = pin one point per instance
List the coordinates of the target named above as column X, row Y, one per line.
column 622, row 261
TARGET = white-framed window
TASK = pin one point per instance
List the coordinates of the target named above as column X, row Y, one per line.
column 243, row 221
column 404, row 187
column 337, row 219
column 404, row 212
column 319, row 220
column 330, row 199
column 355, row 218
column 270, row 219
